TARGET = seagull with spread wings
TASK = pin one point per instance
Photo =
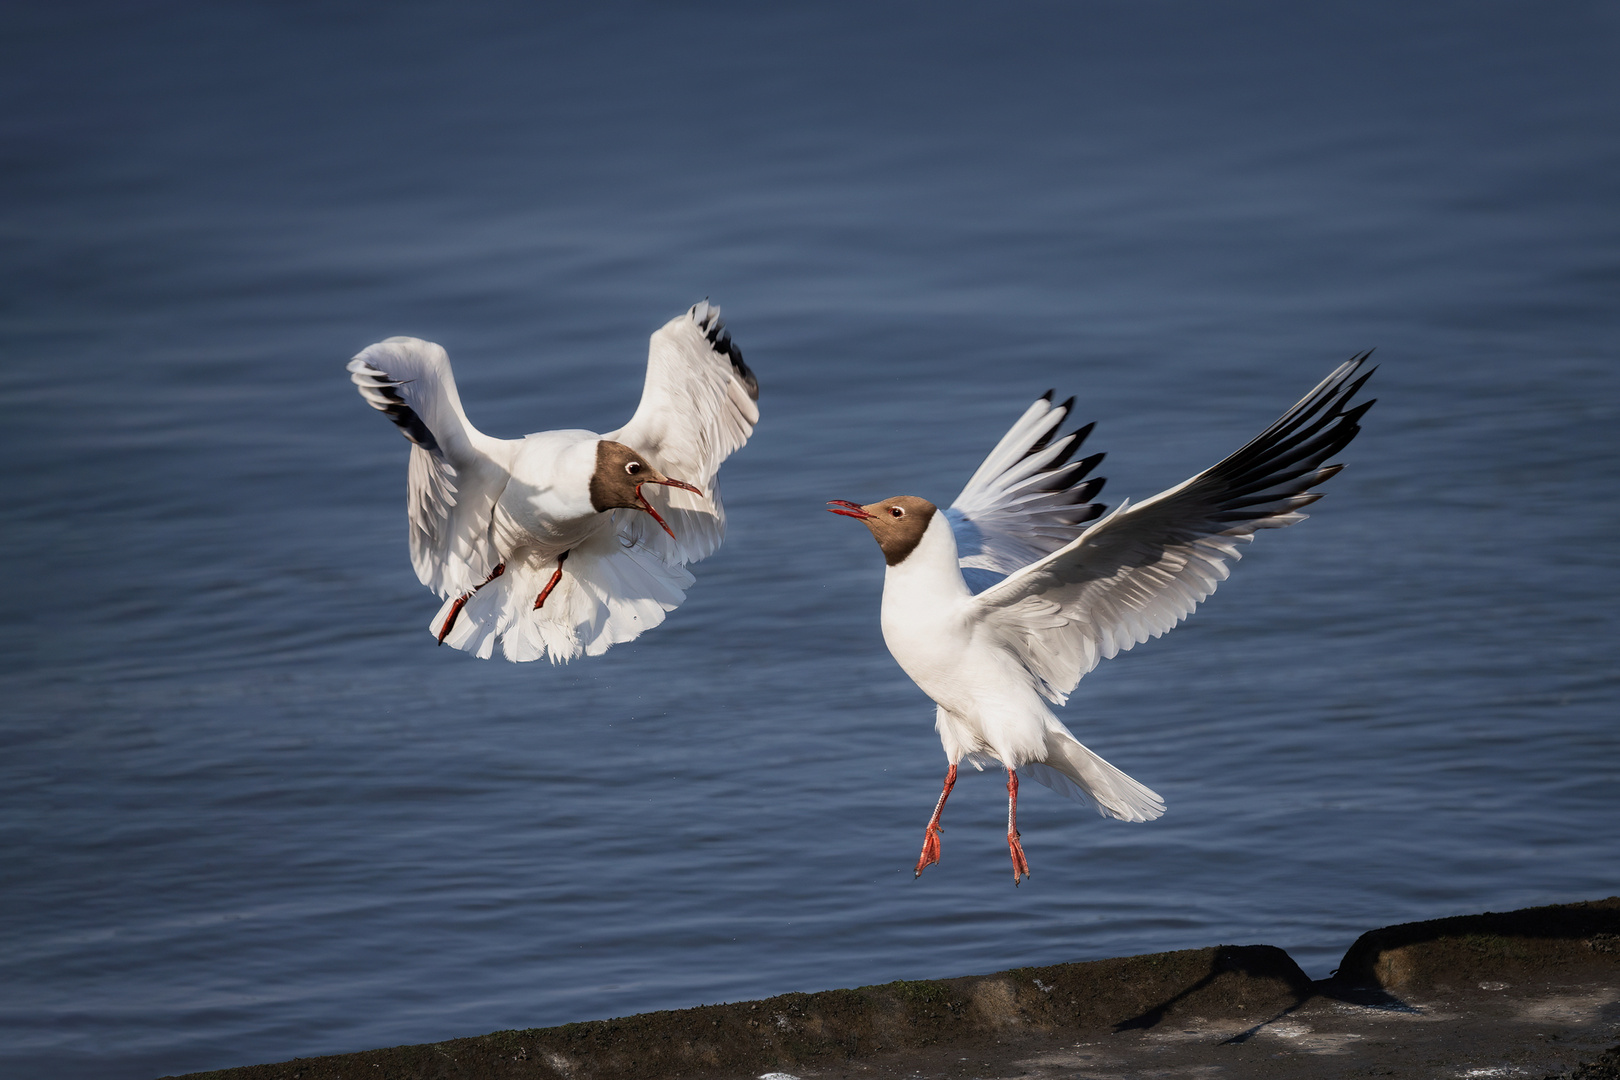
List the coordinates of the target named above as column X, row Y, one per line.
column 565, row 541
column 1003, row 602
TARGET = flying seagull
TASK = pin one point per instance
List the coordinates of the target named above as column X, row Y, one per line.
column 566, row 541
column 1003, row 602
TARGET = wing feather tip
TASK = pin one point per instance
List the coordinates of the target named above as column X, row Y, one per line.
column 713, row 328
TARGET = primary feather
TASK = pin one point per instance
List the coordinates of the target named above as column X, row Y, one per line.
column 1027, row 498
column 1141, row 570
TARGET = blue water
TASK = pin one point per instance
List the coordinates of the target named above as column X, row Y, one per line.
column 248, row 811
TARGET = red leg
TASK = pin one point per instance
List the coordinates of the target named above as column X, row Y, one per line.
column 930, row 849
column 461, row 602
column 1020, row 864
column 556, row 576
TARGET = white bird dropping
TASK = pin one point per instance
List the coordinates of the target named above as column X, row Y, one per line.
column 554, row 544
column 1022, row 585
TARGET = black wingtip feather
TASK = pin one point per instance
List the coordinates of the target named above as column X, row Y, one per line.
column 407, row 420
column 1075, row 438
column 1084, row 493
column 1044, row 441
column 1083, row 467
column 1298, row 432
column 1286, row 458
column 743, row 371
column 1354, row 415
column 714, row 330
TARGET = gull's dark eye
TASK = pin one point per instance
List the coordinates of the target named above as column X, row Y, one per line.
column 633, row 468
column 897, row 511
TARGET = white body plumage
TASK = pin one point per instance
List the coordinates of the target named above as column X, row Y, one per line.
column 987, row 707
column 1004, row 601
column 990, row 705
column 545, row 544
column 546, row 503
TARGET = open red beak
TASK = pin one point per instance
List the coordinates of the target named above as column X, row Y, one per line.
column 849, row 509
column 645, row 505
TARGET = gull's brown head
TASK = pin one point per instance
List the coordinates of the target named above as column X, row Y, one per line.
column 620, row 472
column 898, row 524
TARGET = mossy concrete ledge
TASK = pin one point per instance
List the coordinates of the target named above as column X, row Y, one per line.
column 1511, row 946
column 1238, row 989
column 794, row 1029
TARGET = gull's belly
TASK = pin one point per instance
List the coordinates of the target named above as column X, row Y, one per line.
column 527, row 518
column 546, row 544
column 932, row 648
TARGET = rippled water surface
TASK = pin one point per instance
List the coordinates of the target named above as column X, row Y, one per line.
column 248, row 811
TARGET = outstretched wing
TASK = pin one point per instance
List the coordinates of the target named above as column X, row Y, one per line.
column 698, row 407
column 456, row 471
column 1027, row 499
column 1141, row 570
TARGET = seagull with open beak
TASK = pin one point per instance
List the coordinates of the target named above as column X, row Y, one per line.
column 999, row 605
column 566, row 541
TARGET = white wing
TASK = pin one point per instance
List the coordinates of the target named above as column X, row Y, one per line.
column 456, row 471
column 698, row 407
column 1027, row 499
column 1142, row 569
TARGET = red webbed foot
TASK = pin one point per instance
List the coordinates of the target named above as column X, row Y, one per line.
column 1020, row 864
column 461, row 602
column 930, row 849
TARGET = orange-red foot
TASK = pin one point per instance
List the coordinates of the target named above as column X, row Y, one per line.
column 930, row 850
column 556, row 576
column 450, row 619
column 461, row 602
column 1020, row 864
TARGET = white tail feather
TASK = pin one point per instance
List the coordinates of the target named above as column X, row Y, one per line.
column 1071, row 769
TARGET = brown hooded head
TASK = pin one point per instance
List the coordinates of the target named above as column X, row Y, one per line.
column 617, row 479
column 898, row 524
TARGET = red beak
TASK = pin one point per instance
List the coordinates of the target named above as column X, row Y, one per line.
column 849, row 509
column 645, row 505
column 682, row 484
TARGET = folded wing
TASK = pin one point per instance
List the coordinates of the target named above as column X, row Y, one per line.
column 1141, row 570
column 698, row 406
column 1027, row 499
column 456, row 472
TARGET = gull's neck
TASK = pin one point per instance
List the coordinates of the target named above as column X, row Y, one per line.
column 931, row 566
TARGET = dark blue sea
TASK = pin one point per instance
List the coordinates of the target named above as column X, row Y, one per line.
column 248, row 811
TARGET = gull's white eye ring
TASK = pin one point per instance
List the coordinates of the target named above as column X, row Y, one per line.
column 633, row 468
column 897, row 511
